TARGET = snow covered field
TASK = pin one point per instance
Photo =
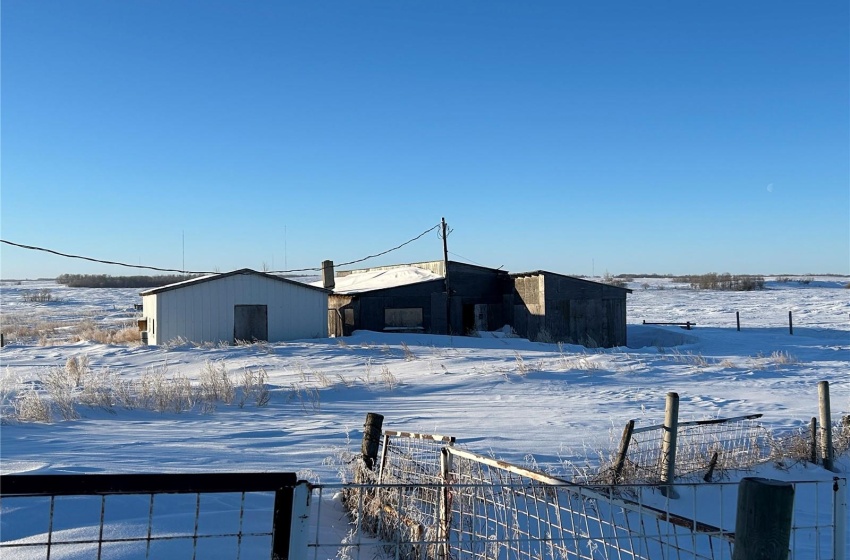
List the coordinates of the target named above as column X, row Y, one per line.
column 504, row 395
column 520, row 401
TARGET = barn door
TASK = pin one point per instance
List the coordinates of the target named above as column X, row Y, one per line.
column 250, row 322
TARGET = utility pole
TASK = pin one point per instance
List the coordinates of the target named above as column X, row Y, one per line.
column 446, row 272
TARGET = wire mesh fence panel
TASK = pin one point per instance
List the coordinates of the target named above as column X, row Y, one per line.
column 737, row 443
column 139, row 526
column 409, row 456
column 501, row 512
column 204, row 515
column 402, row 505
column 432, row 500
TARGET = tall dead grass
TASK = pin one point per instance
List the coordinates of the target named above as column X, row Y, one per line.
column 18, row 328
column 60, row 392
column 89, row 331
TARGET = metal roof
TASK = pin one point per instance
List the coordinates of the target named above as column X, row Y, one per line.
column 212, row 277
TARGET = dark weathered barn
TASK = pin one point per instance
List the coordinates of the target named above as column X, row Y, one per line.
column 553, row 307
column 420, row 304
column 538, row 305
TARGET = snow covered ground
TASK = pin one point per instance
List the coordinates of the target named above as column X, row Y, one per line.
column 514, row 399
column 506, row 395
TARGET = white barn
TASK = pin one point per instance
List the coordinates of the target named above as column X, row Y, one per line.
column 239, row 305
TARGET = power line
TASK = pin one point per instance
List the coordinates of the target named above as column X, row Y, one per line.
column 159, row 269
column 391, row 250
column 467, row 259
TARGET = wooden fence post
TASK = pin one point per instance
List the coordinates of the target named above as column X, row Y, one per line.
column 371, row 439
column 825, row 425
column 668, row 444
column 790, row 323
column 763, row 519
column 623, row 452
column 813, row 443
column 711, row 466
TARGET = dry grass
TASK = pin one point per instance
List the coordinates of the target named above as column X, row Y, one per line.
column 20, row 328
column 215, row 384
column 408, row 353
column 254, row 387
column 521, row 366
column 783, row 358
column 389, row 379
column 545, row 336
column 59, row 392
column 91, row 332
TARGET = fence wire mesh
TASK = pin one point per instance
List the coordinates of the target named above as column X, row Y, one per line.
column 500, row 512
column 432, row 500
column 507, row 515
column 151, row 526
column 737, row 443
column 202, row 515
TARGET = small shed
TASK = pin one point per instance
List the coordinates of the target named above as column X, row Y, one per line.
column 232, row 306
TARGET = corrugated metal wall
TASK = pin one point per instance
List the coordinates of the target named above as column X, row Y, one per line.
column 204, row 312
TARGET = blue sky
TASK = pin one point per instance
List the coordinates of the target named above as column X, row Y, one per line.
column 673, row 137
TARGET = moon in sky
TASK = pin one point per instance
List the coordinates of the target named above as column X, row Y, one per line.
column 770, row 187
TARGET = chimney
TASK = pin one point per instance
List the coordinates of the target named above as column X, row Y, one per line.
column 328, row 275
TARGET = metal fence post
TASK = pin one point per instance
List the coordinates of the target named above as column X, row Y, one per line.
column 825, row 425
column 300, row 527
column 668, row 445
column 443, row 548
column 282, row 523
column 385, row 445
column 839, row 506
column 763, row 519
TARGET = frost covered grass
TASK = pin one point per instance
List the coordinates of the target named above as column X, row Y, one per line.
column 60, row 393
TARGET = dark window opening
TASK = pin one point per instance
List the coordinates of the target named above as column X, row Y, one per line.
column 403, row 318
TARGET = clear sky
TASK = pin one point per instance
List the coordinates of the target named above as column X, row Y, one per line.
column 577, row 137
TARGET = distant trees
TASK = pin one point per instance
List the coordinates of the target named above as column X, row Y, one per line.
column 724, row 281
column 106, row 281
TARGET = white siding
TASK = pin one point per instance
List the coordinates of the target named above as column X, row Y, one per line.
column 203, row 312
column 149, row 313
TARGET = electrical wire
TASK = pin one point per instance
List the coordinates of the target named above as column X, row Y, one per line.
column 393, row 249
column 466, row 259
column 159, row 269
column 90, row 259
